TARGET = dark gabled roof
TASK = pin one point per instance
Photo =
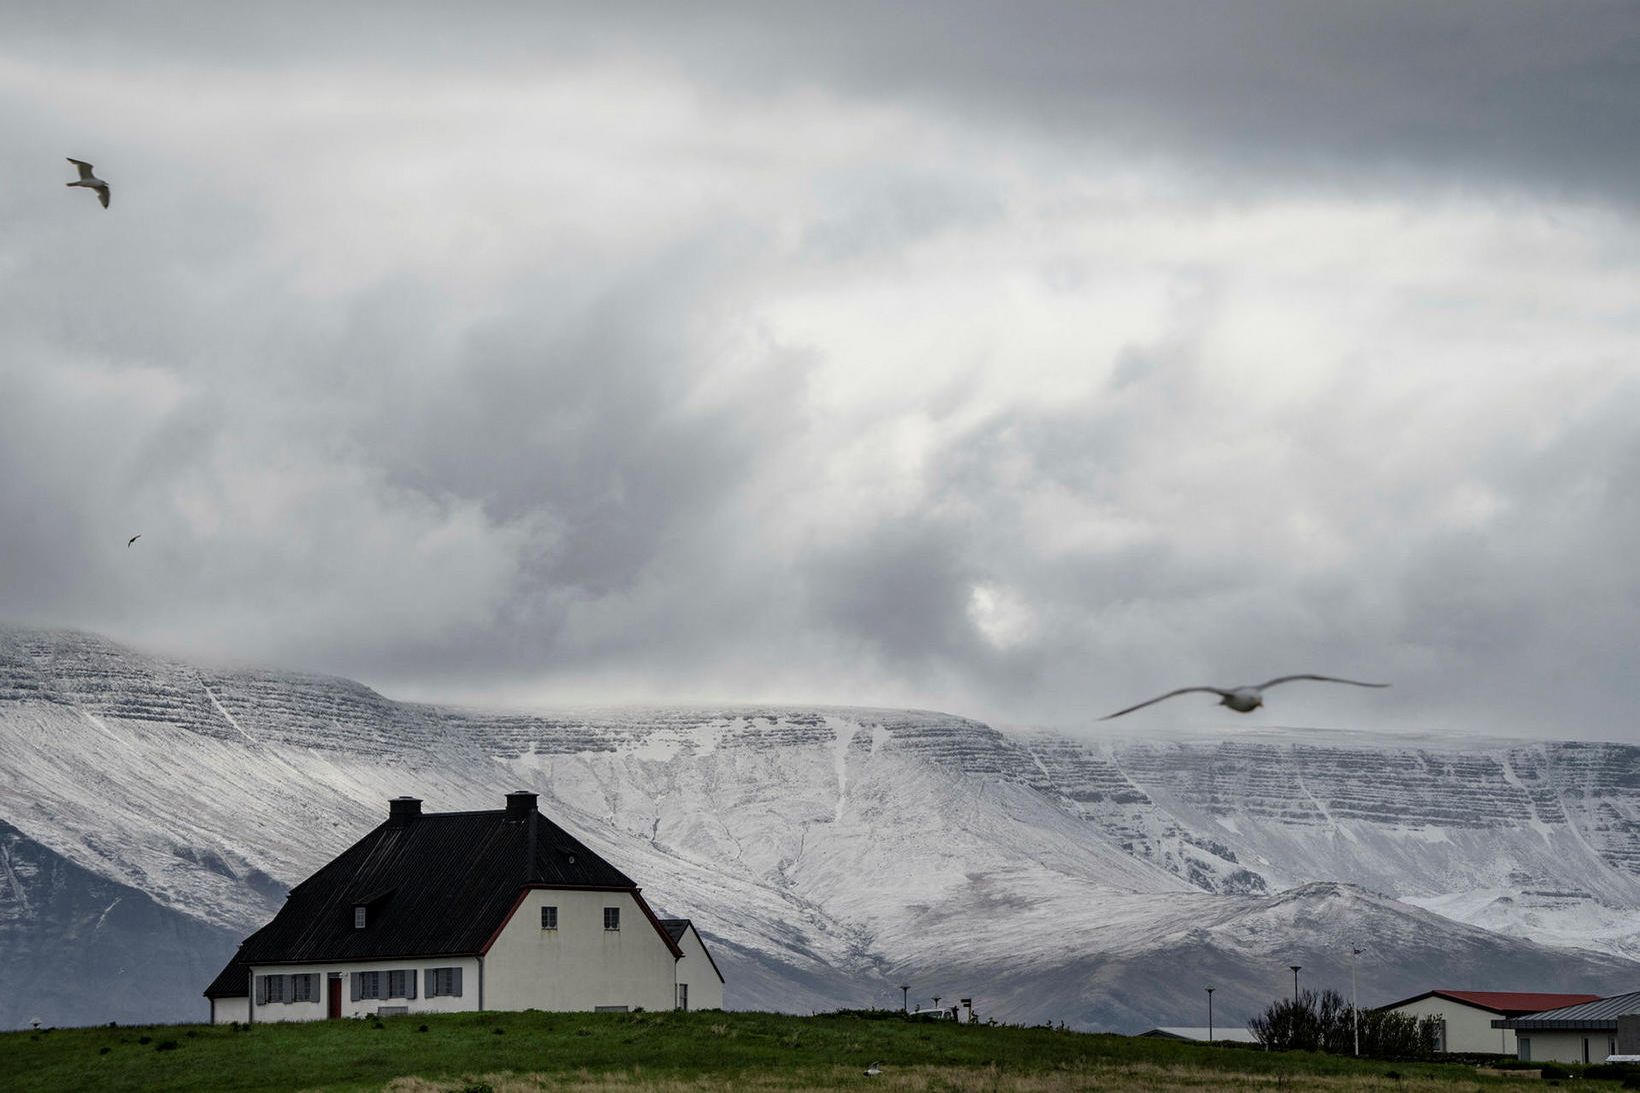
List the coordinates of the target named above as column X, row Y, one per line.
column 440, row 884
column 234, row 981
column 1599, row 1014
column 1506, row 1003
column 675, row 929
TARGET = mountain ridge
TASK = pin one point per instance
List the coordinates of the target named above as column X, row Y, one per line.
column 830, row 852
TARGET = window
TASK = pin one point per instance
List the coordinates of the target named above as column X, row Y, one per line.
column 444, row 982
column 612, row 918
column 367, row 985
column 549, row 918
column 358, row 918
column 398, row 985
column 683, row 996
column 1523, row 1048
column 304, row 988
column 272, row 988
column 1585, row 1049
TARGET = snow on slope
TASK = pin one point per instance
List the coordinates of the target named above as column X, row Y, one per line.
column 831, row 853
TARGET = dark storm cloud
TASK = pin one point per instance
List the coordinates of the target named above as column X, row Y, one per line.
column 1479, row 92
column 1021, row 360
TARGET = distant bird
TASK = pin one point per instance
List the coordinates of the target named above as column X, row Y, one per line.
column 1240, row 699
column 133, row 539
column 873, row 1070
column 90, row 181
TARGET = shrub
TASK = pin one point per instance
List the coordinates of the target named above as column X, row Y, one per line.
column 145, row 1039
column 1326, row 1022
column 421, row 1028
column 166, row 1045
column 102, row 1050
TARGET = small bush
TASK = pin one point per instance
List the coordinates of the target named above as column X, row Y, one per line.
column 192, row 1033
column 377, row 1024
column 166, row 1045
column 145, row 1039
column 422, row 1028
column 479, row 1087
column 102, row 1050
column 499, row 1030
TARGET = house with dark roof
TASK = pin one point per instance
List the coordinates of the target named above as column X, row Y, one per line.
column 1582, row 1033
column 1469, row 1019
column 442, row 912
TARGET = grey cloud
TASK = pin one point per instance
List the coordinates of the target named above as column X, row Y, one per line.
column 1479, row 93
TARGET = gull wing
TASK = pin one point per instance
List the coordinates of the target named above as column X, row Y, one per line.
column 1170, row 694
column 1319, row 679
column 102, row 195
column 85, row 168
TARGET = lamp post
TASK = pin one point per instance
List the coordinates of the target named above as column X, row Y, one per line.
column 1210, row 991
column 1295, row 968
column 1355, row 1009
column 905, row 997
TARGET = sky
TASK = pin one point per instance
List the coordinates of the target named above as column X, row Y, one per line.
column 1020, row 361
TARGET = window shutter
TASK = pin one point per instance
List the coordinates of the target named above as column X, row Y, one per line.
column 261, row 990
column 455, row 982
column 356, row 979
column 410, row 983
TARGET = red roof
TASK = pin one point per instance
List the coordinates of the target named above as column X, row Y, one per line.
column 1514, row 1003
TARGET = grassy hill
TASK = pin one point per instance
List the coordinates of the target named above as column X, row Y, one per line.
column 669, row 1051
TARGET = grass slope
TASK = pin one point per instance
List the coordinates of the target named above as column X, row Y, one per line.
column 668, row 1051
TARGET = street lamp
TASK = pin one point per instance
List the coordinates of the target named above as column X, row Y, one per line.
column 1210, row 991
column 1355, row 1009
column 1295, row 968
column 905, row 997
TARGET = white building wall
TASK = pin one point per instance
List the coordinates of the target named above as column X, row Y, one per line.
column 695, row 970
column 364, row 1007
column 227, row 1010
column 579, row 965
column 1567, row 1046
column 1468, row 1028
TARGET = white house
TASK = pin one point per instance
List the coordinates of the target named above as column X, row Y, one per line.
column 440, row 912
column 1469, row 1019
column 1583, row 1033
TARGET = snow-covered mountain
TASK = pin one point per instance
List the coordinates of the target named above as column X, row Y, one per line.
column 830, row 854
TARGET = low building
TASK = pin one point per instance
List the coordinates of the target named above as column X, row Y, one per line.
column 1469, row 1018
column 1584, row 1033
column 1217, row 1034
column 443, row 912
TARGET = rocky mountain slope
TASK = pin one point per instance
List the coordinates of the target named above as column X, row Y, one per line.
column 830, row 854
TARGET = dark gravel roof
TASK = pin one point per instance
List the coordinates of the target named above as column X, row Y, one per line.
column 1601, row 1014
column 441, row 884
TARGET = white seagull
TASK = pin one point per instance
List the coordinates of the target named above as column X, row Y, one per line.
column 1241, row 699
column 873, row 1070
column 89, row 180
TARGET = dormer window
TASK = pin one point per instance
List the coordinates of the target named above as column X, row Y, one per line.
column 358, row 917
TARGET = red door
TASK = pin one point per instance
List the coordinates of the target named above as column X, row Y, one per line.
column 334, row 998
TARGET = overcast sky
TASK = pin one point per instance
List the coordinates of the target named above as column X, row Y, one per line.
column 1017, row 360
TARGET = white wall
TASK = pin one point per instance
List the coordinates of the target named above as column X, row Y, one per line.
column 1467, row 1027
column 1567, row 1047
column 580, row 965
column 695, row 969
column 226, row 1010
column 364, row 1007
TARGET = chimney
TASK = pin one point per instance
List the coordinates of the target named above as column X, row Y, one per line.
column 402, row 810
column 520, row 804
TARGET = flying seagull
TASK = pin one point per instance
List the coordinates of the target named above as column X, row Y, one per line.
column 90, row 181
column 873, row 1070
column 1241, row 699
column 133, row 538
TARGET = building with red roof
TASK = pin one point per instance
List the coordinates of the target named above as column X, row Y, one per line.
column 1466, row 1016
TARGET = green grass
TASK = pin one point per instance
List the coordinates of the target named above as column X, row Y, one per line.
column 667, row 1051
